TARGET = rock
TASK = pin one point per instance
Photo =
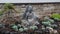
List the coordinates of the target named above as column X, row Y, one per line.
column 25, row 29
column 7, row 32
column 2, row 26
column 24, row 23
column 55, row 32
column 13, row 32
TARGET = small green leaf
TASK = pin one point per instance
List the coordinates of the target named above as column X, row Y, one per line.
column 21, row 29
column 46, row 23
column 15, row 27
column 33, row 27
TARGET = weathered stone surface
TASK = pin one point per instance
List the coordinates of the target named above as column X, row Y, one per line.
column 39, row 10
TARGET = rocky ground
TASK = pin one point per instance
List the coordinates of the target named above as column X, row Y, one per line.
column 39, row 10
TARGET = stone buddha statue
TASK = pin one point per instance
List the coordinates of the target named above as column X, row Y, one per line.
column 30, row 17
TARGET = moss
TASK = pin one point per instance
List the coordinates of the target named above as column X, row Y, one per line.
column 8, row 6
column 1, row 13
column 56, row 16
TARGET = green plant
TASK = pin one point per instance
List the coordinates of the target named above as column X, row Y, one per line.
column 21, row 29
column 1, row 12
column 8, row 6
column 56, row 16
column 15, row 27
column 46, row 23
column 33, row 27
